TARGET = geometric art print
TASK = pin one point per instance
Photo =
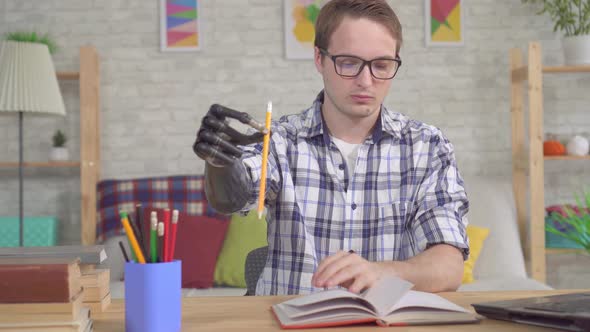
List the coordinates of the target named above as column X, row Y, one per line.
column 444, row 22
column 179, row 25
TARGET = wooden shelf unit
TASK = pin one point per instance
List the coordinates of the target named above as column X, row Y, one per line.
column 532, row 160
column 567, row 157
column 563, row 251
column 89, row 84
column 47, row 164
column 566, row 69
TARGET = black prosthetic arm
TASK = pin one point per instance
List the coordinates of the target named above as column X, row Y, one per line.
column 217, row 142
column 227, row 182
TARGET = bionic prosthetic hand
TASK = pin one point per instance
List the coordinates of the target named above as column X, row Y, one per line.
column 226, row 179
column 217, row 142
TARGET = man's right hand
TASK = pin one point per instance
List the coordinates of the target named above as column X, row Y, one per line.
column 217, row 142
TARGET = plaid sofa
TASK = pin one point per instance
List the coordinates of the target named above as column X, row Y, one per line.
column 183, row 192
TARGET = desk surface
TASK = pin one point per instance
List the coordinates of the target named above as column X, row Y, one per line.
column 252, row 313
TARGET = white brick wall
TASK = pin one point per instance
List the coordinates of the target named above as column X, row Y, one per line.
column 152, row 102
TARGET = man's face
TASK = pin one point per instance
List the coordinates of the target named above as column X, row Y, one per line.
column 360, row 96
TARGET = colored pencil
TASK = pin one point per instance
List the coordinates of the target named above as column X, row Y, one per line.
column 136, row 232
column 132, row 239
column 139, row 223
column 173, row 228
column 154, row 238
column 166, row 241
column 161, row 242
column 123, row 251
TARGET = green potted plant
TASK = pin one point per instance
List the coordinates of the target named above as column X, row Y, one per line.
column 574, row 225
column 572, row 17
column 59, row 152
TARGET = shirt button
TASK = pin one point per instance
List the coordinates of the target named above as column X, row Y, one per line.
column 353, row 206
column 341, row 166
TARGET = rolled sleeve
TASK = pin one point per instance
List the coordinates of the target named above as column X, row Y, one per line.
column 442, row 203
column 252, row 159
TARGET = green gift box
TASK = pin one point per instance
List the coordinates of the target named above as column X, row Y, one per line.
column 37, row 231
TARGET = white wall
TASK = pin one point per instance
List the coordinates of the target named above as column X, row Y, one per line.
column 152, row 102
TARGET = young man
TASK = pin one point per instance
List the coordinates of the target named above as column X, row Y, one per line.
column 354, row 191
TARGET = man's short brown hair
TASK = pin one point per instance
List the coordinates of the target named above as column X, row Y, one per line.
column 332, row 14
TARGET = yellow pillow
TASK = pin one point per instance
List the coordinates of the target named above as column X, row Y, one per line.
column 477, row 236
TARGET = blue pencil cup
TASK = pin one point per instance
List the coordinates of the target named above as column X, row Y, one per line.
column 153, row 297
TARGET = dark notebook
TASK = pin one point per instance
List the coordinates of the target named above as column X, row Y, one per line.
column 567, row 311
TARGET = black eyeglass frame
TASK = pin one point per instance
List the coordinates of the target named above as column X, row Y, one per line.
column 365, row 62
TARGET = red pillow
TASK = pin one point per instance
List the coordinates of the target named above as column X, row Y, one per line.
column 198, row 242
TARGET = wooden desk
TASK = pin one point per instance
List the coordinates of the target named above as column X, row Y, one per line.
column 252, row 313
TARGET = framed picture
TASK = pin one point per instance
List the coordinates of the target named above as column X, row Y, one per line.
column 445, row 22
column 300, row 17
column 180, row 25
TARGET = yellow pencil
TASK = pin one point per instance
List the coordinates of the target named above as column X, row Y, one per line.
column 265, row 144
column 132, row 239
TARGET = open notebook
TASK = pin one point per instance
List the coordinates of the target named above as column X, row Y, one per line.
column 390, row 302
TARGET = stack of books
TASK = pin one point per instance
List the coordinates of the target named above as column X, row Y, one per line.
column 42, row 294
column 97, row 295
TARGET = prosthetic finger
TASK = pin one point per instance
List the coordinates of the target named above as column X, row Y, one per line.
column 222, row 112
column 235, row 136
column 212, row 155
column 219, row 143
column 246, row 140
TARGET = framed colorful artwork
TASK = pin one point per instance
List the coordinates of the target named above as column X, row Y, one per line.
column 180, row 25
column 300, row 17
column 445, row 22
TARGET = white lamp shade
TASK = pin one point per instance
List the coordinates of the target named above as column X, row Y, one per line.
column 28, row 82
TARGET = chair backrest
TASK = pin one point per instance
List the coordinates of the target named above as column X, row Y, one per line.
column 255, row 262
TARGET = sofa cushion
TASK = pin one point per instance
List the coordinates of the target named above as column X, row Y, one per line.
column 198, row 242
column 491, row 205
column 477, row 236
column 510, row 283
column 245, row 233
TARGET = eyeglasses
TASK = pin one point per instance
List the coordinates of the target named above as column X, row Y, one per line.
column 351, row 66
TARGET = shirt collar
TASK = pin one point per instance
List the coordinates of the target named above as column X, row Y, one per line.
column 314, row 124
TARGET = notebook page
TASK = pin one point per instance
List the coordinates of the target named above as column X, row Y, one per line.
column 426, row 300
column 386, row 293
column 322, row 296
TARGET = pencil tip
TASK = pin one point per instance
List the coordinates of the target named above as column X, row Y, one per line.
column 259, row 215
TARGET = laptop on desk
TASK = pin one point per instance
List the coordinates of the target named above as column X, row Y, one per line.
column 568, row 312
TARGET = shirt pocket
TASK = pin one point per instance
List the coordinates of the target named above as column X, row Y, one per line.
column 391, row 228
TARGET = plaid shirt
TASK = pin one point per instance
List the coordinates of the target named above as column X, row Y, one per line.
column 406, row 195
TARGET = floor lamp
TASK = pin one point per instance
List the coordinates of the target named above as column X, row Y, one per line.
column 28, row 83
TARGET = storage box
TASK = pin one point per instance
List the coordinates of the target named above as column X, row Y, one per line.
column 556, row 241
column 37, row 231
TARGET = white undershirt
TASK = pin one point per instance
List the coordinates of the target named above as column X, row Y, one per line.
column 349, row 151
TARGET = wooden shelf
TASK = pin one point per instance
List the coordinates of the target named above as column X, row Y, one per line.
column 528, row 161
column 68, row 75
column 49, row 164
column 549, row 251
column 567, row 157
column 567, row 69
